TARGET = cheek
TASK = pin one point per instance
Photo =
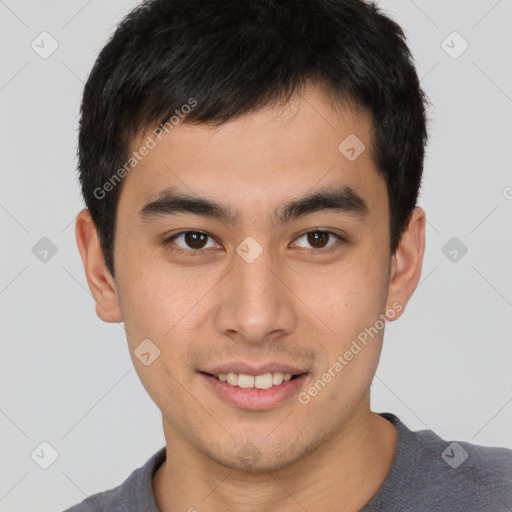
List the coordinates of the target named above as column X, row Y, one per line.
column 349, row 295
column 165, row 304
column 155, row 308
column 351, row 305
column 147, row 292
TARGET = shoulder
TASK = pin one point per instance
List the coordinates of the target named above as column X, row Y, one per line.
column 466, row 476
column 134, row 494
column 110, row 501
column 435, row 474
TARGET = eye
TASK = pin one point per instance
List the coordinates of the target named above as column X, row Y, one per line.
column 190, row 242
column 318, row 239
column 194, row 243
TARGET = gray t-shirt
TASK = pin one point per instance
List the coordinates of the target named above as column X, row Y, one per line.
column 428, row 474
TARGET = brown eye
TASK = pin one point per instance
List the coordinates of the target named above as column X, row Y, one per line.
column 318, row 239
column 191, row 241
column 195, row 240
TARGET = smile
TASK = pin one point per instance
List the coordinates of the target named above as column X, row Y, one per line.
column 254, row 392
column 263, row 381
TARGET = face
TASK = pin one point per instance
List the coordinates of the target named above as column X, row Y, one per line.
column 256, row 285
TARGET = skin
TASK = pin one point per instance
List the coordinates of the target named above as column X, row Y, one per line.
column 288, row 305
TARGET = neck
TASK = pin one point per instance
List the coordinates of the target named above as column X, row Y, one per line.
column 342, row 474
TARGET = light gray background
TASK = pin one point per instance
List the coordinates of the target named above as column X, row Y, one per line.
column 67, row 378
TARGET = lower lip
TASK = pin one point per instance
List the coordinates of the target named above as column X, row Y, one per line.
column 253, row 399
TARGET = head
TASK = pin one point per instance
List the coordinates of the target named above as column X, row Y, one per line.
column 289, row 138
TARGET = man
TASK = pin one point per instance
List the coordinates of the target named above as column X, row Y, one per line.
column 251, row 170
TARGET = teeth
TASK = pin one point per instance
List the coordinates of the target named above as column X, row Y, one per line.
column 245, row 381
column 232, row 378
column 277, row 378
column 265, row 381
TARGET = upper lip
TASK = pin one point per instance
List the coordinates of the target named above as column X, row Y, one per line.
column 253, row 369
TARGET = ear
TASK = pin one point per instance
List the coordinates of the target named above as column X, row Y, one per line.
column 99, row 279
column 406, row 263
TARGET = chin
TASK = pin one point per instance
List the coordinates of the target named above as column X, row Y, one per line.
column 262, row 456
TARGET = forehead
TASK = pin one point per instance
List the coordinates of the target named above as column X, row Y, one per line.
column 256, row 161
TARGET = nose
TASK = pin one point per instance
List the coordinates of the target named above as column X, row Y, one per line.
column 256, row 302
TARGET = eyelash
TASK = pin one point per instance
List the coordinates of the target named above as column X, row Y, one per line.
column 198, row 252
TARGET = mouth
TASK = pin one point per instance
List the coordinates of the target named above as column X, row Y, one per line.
column 264, row 381
column 254, row 392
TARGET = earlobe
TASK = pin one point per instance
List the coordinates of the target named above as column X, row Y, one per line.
column 99, row 279
column 407, row 262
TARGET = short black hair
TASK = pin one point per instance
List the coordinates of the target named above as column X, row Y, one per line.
column 231, row 57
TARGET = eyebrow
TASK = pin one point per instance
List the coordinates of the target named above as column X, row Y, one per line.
column 336, row 198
